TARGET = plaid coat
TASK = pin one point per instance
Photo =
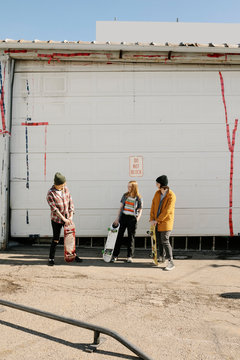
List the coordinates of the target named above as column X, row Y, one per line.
column 64, row 204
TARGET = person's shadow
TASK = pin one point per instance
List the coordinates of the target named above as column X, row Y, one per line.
column 225, row 265
column 231, row 295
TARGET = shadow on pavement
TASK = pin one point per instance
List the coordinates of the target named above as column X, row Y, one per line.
column 20, row 256
column 82, row 347
column 27, row 260
column 38, row 255
column 227, row 265
column 231, row 295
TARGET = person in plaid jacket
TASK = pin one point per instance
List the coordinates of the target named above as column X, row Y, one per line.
column 60, row 201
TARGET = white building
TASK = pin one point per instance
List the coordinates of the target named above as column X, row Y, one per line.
column 94, row 111
column 167, row 32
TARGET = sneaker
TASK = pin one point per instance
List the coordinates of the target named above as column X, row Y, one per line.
column 129, row 260
column 170, row 265
column 77, row 259
column 50, row 262
column 161, row 259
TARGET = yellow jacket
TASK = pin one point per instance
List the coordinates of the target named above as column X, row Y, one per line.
column 166, row 217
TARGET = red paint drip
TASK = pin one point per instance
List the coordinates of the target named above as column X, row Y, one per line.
column 34, row 124
column 231, row 145
column 51, row 57
column 5, row 132
column 2, row 108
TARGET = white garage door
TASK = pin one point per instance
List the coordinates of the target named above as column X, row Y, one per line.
column 86, row 120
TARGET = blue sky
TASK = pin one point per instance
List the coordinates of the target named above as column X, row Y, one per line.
column 75, row 20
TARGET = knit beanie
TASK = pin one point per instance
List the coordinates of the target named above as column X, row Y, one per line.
column 162, row 180
column 59, row 179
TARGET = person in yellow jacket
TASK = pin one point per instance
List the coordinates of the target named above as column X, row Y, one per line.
column 162, row 216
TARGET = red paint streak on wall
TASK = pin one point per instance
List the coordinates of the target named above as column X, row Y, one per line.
column 214, row 55
column 55, row 56
column 15, row 51
column 231, row 145
column 2, row 111
column 71, row 55
column 158, row 56
column 35, row 124
column 51, row 57
column 5, row 132
column 2, row 106
column 149, row 56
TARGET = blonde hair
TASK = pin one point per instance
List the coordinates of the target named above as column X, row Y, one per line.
column 134, row 190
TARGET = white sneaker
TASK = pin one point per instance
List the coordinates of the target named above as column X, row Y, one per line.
column 170, row 265
column 129, row 260
column 161, row 259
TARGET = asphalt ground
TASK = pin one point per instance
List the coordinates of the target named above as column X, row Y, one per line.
column 191, row 312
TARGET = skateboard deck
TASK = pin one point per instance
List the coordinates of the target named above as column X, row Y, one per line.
column 69, row 243
column 152, row 233
column 110, row 243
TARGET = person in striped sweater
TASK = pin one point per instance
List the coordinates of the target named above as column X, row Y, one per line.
column 129, row 214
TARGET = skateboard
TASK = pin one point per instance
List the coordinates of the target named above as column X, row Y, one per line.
column 110, row 243
column 152, row 233
column 69, row 243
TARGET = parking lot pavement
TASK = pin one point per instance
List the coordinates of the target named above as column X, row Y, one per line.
column 191, row 312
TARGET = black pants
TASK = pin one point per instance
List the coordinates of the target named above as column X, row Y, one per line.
column 165, row 248
column 56, row 237
column 128, row 222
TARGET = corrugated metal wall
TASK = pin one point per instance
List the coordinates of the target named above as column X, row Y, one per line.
column 90, row 118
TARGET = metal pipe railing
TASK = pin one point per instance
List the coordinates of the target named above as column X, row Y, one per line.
column 97, row 329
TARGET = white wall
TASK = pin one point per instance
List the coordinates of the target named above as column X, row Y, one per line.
column 162, row 32
column 98, row 116
column 4, row 150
